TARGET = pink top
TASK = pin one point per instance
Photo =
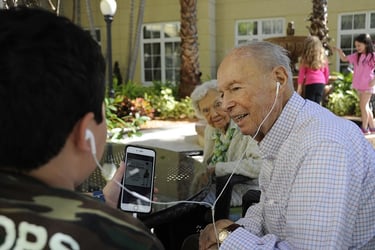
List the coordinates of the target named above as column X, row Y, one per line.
column 363, row 71
column 309, row 76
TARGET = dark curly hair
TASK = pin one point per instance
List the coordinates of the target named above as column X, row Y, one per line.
column 51, row 75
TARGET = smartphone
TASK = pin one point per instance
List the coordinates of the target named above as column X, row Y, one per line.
column 139, row 178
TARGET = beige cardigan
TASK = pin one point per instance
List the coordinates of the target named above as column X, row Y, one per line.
column 249, row 165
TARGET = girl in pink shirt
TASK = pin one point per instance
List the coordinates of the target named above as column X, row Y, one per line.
column 313, row 69
column 363, row 62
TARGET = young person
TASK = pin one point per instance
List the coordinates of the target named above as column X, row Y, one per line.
column 51, row 130
column 313, row 72
column 363, row 61
column 317, row 178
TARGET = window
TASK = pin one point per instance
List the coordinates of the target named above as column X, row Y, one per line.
column 160, row 52
column 259, row 29
column 350, row 26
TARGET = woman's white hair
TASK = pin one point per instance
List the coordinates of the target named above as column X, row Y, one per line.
column 199, row 93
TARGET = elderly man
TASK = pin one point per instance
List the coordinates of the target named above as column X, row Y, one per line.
column 224, row 152
column 318, row 176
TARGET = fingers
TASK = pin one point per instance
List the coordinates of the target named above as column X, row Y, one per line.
column 120, row 172
column 156, row 191
column 207, row 238
column 112, row 189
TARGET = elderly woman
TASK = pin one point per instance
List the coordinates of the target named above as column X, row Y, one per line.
column 226, row 150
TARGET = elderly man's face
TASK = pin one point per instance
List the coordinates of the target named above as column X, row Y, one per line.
column 248, row 94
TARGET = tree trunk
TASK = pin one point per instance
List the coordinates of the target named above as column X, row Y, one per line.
column 138, row 33
column 130, row 40
column 77, row 12
column 318, row 19
column 189, row 73
column 91, row 20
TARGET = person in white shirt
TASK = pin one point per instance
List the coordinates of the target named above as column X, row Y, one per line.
column 318, row 176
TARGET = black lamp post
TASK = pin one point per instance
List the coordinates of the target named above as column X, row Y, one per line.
column 108, row 9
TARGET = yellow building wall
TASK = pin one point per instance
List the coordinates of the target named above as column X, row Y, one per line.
column 228, row 12
column 216, row 23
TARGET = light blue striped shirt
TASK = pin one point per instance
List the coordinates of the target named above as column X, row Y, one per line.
column 317, row 183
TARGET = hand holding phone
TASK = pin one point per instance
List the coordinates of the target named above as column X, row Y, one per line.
column 138, row 178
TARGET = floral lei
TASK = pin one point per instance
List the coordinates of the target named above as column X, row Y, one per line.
column 221, row 146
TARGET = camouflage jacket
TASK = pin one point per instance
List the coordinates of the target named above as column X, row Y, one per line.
column 36, row 216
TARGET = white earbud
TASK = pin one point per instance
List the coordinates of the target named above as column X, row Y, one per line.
column 90, row 136
column 269, row 112
column 277, row 88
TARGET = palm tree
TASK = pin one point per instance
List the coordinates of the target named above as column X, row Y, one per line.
column 318, row 26
column 189, row 73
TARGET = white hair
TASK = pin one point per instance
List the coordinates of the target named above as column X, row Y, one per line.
column 199, row 93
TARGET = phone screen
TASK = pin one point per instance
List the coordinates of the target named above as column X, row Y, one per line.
column 139, row 178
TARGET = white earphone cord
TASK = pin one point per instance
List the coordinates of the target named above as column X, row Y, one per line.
column 242, row 156
column 255, row 135
column 141, row 197
column 212, row 206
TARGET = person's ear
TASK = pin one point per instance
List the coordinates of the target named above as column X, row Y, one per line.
column 280, row 75
column 84, row 136
column 91, row 139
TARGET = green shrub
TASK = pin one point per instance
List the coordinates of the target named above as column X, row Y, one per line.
column 135, row 104
column 163, row 103
column 120, row 126
column 131, row 90
column 134, row 107
column 344, row 100
column 158, row 86
column 167, row 107
column 184, row 109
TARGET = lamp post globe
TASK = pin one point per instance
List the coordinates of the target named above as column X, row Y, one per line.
column 108, row 9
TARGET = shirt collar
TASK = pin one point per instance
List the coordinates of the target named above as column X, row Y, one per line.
column 282, row 128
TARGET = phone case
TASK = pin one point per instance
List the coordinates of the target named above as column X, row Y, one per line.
column 138, row 179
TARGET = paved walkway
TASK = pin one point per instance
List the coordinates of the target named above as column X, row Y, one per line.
column 179, row 137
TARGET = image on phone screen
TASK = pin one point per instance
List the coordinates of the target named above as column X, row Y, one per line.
column 138, row 177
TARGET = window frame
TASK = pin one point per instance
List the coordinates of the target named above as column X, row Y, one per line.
column 259, row 36
column 162, row 41
column 353, row 32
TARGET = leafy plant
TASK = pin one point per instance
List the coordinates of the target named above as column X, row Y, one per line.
column 113, row 121
column 344, row 100
column 134, row 108
column 167, row 107
column 163, row 103
column 121, row 126
column 135, row 104
column 158, row 86
column 131, row 90
column 131, row 128
column 184, row 109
